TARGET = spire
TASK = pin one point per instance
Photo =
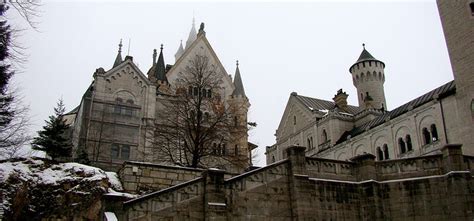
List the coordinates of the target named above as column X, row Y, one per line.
column 192, row 35
column 179, row 52
column 154, row 57
column 160, row 67
column 239, row 87
column 365, row 55
column 118, row 59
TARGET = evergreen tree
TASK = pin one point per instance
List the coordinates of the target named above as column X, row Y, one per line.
column 53, row 138
column 6, row 114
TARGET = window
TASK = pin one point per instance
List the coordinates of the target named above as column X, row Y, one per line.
column 273, row 159
column 115, row 151
column 426, row 136
column 385, row 152
column 324, row 137
column 379, row 154
column 236, row 121
column 434, row 133
column 120, row 151
column 195, row 91
column 311, row 139
column 408, row 141
column 294, row 120
column 401, row 145
column 209, row 93
column 471, row 5
column 309, row 143
column 236, row 149
column 125, row 152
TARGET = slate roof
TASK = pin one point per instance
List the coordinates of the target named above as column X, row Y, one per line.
column 239, row 86
column 365, row 56
column 324, row 105
column 440, row 92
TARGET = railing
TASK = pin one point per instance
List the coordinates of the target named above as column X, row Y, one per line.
column 330, row 169
column 409, row 167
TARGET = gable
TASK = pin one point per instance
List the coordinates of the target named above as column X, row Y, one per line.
column 126, row 81
column 293, row 108
column 201, row 47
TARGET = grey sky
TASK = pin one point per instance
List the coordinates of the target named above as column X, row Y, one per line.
column 282, row 47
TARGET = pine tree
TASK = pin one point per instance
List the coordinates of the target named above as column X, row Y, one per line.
column 6, row 114
column 53, row 138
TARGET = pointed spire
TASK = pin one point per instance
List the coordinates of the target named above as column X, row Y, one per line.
column 179, row 52
column 365, row 55
column 160, row 67
column 239, row 86
column 192, row 35
column 154, row 57
column 118, row 59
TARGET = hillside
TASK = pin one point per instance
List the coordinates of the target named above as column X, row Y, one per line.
column 35, row 189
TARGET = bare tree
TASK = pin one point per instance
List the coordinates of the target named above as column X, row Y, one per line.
column 197, row 125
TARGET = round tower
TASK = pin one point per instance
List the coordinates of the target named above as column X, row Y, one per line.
column 368, row 77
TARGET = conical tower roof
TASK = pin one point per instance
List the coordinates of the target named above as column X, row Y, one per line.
column 239, row 86
column 179, row 52
column 192, row 35
column 365, row 56
column 118, row 59
column 160, row 67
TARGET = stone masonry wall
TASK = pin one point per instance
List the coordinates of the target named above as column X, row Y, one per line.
column 438, row 187
column 139, row 177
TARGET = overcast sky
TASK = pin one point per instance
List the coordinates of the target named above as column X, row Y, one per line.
column 282, row 47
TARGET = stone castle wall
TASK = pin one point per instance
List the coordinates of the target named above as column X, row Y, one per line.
column 438, row 187
column 139, row 177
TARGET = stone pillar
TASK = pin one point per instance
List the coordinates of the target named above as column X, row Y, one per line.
column 452, row 158
column 297, row 157
column 215, row 205
column 298, row 183
column 365, row 167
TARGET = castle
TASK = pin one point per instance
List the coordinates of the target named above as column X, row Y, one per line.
column 332, row 161
column 336, row 130
column 124, row 113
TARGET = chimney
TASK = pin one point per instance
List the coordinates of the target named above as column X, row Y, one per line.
column 340, row 99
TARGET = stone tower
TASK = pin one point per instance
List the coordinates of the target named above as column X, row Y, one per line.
column 240, row 104
column 457, row 18
column 368, row 77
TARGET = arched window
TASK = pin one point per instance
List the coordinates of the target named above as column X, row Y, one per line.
column 401, row 145
column 385, row 152
column 426, row 136
column 408, row 141
column 309, row 143
column 311, row 139
column 235, row 121
column 273, row 159
column 434, row 132
column 324, row 136
column 379, row 154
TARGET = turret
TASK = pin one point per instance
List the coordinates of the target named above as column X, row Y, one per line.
column 192, row 35
column 118, row 59
column 368, row 77
column 179, row 52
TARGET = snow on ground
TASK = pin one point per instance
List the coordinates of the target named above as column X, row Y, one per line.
column 41, row 172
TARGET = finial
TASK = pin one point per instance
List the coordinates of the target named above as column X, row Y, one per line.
column 161, row 48
column 237, row 62
column 120, row 46
column 154, row 56
column 363, row 45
